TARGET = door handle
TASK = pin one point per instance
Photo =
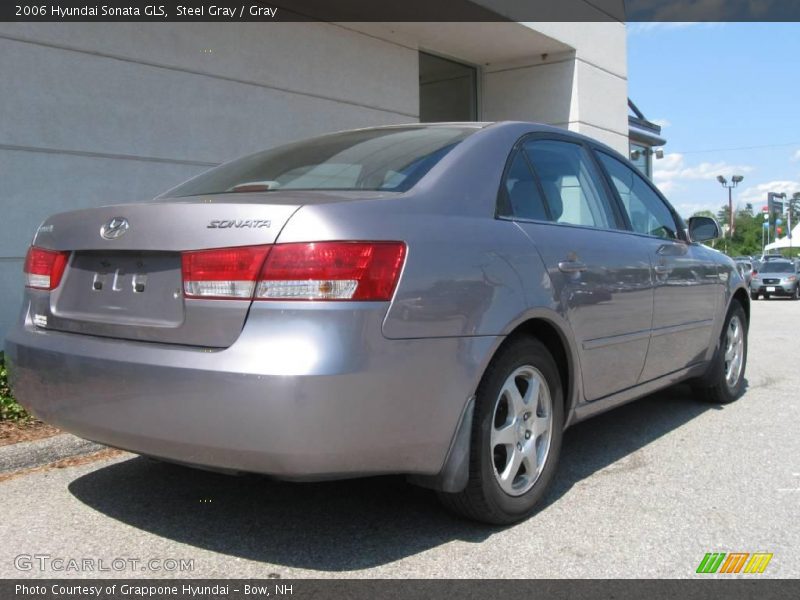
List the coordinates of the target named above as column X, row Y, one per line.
column 672, row 249
column 661, row 269
column 572, row 266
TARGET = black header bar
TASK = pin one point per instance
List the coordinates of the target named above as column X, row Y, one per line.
column 400, row 10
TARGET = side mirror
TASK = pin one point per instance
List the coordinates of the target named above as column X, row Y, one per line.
column 703, row 229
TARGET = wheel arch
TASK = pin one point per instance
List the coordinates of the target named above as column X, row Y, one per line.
column 556, row 342
column 455, row 473
column 743, row 297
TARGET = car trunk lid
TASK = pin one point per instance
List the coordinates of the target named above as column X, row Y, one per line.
column 124, row 279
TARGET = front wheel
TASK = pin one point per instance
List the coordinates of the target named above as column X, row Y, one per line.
column 753, row 296
column 724, row 381
column 516, row 436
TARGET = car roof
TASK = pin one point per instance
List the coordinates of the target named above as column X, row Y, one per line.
column 771, row 263
column 531, row 126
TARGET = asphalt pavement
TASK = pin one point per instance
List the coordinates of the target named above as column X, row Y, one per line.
column 643, row 491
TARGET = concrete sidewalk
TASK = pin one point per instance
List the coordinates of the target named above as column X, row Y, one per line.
column 36, row 453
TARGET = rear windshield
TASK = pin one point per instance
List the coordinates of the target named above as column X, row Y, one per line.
column 389, row 159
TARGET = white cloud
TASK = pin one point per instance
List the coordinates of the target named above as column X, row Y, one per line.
column 673, row 168
column 667, row 186
column 687, row 209
column 757, row 194
column 796, row 156
column 666, row 123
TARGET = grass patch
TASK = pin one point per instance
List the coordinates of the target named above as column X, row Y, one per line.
column 10, row 410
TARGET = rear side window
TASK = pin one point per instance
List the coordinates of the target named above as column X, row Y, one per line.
column 520, row 196
column 569, row 180
column 647, row 212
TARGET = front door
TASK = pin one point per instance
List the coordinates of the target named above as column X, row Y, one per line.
column 688, row 289
column 600, row 274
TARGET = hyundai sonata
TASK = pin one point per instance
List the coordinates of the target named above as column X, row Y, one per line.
column 439, row 301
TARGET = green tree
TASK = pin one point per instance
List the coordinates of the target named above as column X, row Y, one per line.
column 793, row 207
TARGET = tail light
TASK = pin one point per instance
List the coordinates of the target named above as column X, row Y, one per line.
column 304, row 271
column 222, row 273
column 331, row 271
column 44, row 268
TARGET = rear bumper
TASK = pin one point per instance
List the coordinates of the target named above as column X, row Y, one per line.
column 302, row 394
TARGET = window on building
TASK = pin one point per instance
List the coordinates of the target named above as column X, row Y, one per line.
column 448, row 90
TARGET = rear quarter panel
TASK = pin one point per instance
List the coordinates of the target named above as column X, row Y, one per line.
column 466, row 272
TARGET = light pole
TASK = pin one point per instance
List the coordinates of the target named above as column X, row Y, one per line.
column 735, row 180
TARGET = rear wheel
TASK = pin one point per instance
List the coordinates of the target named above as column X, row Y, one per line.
column 516, row 436
column 724, row 382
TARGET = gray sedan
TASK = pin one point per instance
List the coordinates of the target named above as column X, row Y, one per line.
column 437, row 300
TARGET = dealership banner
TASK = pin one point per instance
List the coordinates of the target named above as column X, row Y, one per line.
column 401, row 10
column 299, row 589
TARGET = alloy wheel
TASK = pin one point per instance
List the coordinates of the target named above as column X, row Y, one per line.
column 734, row 352
column 522, row 427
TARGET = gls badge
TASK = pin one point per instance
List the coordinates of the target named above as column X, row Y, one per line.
column 239, row 224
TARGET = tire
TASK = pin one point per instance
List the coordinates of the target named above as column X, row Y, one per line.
column 753, row 296
column 533, row 433
column 721, row 385
column 796, row 293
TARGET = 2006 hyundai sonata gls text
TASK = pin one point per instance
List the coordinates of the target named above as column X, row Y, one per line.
column 437, row 300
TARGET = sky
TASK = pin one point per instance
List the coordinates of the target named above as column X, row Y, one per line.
column 727, row 96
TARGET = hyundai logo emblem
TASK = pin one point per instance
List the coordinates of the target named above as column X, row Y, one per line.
column 115, row 228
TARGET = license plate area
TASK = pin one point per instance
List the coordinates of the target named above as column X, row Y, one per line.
column 770, row 288
column 124, row 288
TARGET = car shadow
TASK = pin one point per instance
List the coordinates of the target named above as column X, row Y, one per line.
column 345, row 525
column 604, row 440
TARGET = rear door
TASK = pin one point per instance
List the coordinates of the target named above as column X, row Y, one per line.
column 601, row 275
column 688, row 289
